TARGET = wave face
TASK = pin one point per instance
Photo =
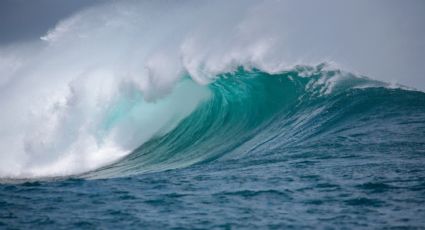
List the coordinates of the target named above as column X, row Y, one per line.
column 251, row 113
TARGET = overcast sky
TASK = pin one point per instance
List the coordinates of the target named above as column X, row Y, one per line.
column 24, row 20
column 384, row 34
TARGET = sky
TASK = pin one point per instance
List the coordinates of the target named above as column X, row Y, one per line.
column 22, row 20
column 383, row 39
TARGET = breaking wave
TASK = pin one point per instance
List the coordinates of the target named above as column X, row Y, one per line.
column 129, row 87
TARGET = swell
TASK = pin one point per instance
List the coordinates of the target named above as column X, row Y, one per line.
column 251, row 111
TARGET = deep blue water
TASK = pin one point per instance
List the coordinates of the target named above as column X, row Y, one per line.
column 327, row 150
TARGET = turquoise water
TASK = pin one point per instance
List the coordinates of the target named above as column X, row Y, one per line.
column 305, row 148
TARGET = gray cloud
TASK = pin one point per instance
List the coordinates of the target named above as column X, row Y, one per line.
column 22, row 20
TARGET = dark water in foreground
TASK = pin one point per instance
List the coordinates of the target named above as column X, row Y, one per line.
column 281, row 151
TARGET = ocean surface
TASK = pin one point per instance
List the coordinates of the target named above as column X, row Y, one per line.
column 311, row 147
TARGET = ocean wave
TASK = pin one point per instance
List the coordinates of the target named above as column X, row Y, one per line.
column 250, row 110
column 132, row 87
